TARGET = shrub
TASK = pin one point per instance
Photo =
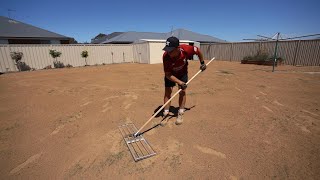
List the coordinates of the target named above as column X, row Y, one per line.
column 17, row 56
column 58, row 64
column 22, row 66
column 48, row 67
column 246, row 58
column 85, row 54
column 54, row 53
column 261, row 57
column 69, row 66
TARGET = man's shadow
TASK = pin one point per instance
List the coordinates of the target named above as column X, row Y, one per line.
column 173, row 113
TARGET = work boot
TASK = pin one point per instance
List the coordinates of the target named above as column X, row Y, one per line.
column 180, row 118
column 165, row 113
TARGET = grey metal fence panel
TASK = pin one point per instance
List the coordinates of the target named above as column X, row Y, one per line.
column 304, row 52
column 308, row 53
column 37, row 56
column 6, row 63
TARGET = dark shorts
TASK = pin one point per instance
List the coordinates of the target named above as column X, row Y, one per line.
column 169, row 83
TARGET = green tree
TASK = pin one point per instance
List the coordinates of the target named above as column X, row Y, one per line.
column 17, row 56
column 54, row 54
column 85, row 54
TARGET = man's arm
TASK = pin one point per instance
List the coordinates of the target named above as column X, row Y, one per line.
column 203, row 66
column 201, row 57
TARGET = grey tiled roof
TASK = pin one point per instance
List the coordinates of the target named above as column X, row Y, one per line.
column 105, row 37
column 131, row 36
column 16, row 29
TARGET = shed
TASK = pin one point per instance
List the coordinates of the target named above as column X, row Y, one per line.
column 150, row 51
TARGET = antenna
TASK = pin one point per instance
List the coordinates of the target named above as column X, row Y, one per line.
column 171, row 31
column 10, row 10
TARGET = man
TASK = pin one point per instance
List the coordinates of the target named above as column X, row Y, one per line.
column 175, row 67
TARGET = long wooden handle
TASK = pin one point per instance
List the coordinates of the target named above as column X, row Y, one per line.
column 154, row 115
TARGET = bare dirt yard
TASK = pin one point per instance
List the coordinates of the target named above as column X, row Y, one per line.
column 242, row 122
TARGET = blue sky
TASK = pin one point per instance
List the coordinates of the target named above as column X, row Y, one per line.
column 231, row 20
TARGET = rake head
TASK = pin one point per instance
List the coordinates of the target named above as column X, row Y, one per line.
column 137, row 144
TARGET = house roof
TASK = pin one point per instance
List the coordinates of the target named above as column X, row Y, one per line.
column 11, row 28
column 103, row 37
column 193, row 36
column 132, row 36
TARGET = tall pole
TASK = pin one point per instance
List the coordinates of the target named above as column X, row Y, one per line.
column 275, row 52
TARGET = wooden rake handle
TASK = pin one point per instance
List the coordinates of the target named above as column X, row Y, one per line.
column 154, row 115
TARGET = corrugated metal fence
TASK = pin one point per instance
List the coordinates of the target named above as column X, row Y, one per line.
column 38, row 57
column 304, row 52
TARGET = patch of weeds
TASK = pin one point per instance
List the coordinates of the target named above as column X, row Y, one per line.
column 75, row 169
column 58, row 64
column 69, row 66
column 175, row 162
column 114, row 158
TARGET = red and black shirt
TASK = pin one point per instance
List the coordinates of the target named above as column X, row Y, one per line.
column 179, row 66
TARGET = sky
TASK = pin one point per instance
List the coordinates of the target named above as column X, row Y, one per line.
column 231, row 20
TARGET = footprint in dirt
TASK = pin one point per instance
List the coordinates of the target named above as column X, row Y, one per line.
column 130, row 98
column 210, row 151
column 86, row 103
column 277, row 103
column 25, row 164
column 307, row 121
column 104, row 152
column 63, row 122
column 108, row 155
column 172, row 157
column 267, row 108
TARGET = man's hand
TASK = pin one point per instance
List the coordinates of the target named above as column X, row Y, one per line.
column 203, row 67
column 183, row 86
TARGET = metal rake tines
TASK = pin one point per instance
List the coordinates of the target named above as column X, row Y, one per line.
column 138, row 146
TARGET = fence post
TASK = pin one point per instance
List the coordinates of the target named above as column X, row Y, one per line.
column 296, row 52
column 231, row 54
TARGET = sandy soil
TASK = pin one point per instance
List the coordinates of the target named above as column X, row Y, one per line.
column 243, row 122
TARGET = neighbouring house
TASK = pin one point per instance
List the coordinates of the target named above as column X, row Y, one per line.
column 16, row 32
column 133, row 37
column 103, row 37
column 147, row 46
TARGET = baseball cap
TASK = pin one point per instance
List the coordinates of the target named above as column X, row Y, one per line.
column 171, row 44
